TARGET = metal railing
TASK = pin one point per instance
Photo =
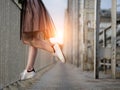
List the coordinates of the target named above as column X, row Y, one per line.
column 105, row 51
column 108, row 29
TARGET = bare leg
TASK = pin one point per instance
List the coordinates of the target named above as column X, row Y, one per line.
column 38, row 41
column 41, row 44
column 31, row 57
column 33, row 46
column 45, row 45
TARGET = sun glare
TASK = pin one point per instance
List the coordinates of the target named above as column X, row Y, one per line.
column 58, row 38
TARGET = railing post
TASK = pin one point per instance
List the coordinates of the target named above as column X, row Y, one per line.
column 96, row 38
column 113, row 35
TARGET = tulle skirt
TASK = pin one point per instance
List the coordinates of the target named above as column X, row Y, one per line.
column 36, row 21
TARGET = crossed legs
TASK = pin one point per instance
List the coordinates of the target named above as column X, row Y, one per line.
column 33, row 48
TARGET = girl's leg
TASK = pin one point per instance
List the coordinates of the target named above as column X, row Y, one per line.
column 42, row 44
column 37, row 41
column 31, row 58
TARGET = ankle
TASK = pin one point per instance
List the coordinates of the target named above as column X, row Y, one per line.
column 30, row 69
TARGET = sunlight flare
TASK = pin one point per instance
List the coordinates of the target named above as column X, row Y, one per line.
column 58, row 38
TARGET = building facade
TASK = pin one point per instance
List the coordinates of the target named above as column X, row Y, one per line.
column 79, row 29
column 92, row 34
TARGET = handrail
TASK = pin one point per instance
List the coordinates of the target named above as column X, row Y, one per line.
column 107, row 28
column 17, row 4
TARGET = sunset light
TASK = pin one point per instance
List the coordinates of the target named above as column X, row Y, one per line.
column 58, row 38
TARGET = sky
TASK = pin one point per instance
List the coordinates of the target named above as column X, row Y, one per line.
column 106, row 4
column 56, row 8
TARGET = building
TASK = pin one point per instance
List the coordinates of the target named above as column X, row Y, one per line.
column 79, row 30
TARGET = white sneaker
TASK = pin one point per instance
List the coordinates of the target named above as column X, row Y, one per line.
column 27, row 75
column 59, row 53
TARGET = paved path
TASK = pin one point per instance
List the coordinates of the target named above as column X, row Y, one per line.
column 67, row 77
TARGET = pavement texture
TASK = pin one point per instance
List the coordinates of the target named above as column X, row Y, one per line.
column 68, row 77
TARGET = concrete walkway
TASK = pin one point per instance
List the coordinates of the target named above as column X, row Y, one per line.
column 67, row 77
